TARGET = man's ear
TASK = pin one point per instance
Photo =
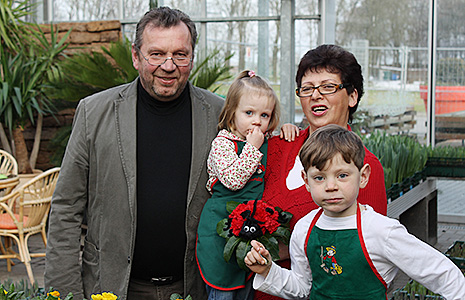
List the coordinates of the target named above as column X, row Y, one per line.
column 365, row 175
column 135, row 57
column 305, row 179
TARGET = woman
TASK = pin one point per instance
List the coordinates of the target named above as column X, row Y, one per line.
column 330, row 85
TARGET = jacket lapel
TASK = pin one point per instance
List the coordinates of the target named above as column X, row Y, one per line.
column 125, row 112
column 203, row 123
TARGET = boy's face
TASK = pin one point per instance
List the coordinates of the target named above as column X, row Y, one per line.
column 335, row 188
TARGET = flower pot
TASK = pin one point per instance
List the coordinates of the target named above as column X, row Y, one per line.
column 449, row 99
column 451, row 167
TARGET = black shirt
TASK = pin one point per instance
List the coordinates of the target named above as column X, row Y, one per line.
column 164, row 143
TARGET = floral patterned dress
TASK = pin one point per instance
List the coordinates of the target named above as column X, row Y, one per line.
column 236, row 170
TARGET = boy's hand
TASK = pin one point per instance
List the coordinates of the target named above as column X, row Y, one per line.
column 255, row 137
column 258, row 259
column 289, row 132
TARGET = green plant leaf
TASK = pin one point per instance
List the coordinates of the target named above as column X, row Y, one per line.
column 271, row 244
column 283, row 234
column 230, row 246
column 175, row 296
column 241, row 252
column 220, row 228
column 231, row 205
column 210, row 70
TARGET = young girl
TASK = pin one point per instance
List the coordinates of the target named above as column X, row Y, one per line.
column 236, row 167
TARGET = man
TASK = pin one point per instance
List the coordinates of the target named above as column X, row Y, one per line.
column 135, row 165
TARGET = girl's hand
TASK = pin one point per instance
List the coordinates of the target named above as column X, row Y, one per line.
column 289, row 132
column 255, row 137
column 258, row 259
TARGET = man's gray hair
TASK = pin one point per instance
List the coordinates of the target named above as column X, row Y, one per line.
column 164, row 17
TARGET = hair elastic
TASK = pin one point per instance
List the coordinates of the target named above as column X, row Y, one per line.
column 251, row 74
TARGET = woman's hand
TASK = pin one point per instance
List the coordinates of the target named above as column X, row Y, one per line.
column 258, row 259
column 289, row 132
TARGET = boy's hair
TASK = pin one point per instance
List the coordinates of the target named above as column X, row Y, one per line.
column 165, row 17
column 247, row 83
column 326, row 142
column 333, row 59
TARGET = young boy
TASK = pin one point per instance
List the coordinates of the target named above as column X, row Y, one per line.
column 345, row 250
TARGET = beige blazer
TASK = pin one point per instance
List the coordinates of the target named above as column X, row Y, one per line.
column 98, row 175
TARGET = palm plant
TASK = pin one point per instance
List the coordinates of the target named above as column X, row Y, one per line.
column 12, row 29
column 88, row 73
column 28, row 61
column 210, row 70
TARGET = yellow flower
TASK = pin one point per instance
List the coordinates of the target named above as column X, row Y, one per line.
column 104, row 296
column 109, row 296
column 5, row 292
column 55, row 294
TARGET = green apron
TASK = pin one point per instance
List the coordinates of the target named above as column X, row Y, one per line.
column 216, row 272
column 341, row 267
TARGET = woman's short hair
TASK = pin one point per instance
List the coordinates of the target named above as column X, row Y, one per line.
column 327, row 141
column 247, row 83
column 333, row 59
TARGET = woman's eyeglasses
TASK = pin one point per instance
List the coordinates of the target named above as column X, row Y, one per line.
column 323, row 89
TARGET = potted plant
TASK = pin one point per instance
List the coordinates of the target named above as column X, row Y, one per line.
column 446, row 161
column 23, row 291
column 28, row 61
column 406, row 162
column 401, row 156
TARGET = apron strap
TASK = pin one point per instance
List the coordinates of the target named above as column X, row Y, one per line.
column 364, row 248
column 315, row 219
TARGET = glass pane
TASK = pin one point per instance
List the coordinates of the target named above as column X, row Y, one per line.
column 88, row 10
column 450, row 75
column 134, row 9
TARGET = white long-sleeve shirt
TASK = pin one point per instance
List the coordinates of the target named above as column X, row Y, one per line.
column 389, row 246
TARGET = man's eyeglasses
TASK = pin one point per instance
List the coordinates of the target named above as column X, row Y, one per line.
column 323, row 89
column 157, row 60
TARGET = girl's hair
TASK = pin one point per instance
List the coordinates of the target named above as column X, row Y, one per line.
column 247, row 83
column 326, row 142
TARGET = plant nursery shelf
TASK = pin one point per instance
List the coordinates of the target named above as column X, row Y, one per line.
column 417, row 210
column 409, row 199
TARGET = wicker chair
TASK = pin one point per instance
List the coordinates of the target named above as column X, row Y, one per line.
column 8, row 167
column 23, row 213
